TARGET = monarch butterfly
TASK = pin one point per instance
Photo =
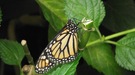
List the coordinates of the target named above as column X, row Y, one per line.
column 62, row 49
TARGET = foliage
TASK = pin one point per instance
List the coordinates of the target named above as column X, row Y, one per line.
column 97, row 48
column 11, row 52
column 90, row 9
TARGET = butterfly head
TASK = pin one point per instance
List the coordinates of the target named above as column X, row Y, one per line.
column 71, row 26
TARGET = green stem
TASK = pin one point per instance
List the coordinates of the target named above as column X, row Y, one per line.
column 98, row 32
column 112, row 42
column 111, row 36
column 21, row 73
column 119, row 34
column 27, row 53
column 94, row 42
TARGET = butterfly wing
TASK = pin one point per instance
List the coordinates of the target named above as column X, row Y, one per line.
column 64, row 47
column 43, row 64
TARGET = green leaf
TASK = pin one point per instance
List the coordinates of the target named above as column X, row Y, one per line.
column 125, row 52
column 51, row 33
column 90, row 9
column 120, row 15
column 11, row 52
column 57, row 11
column 66, row 69
column 100, row 57
column 53, row 10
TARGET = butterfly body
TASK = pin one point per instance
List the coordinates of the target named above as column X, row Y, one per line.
column 62, row 49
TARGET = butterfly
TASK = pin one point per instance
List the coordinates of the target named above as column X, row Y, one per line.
column 62, row 49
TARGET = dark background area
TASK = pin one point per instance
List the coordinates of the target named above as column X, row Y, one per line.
column 22, row 14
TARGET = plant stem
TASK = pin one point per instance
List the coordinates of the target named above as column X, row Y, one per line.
column 112, row 42
column 119, row 34
column 27, row 52
column 98, row 32
column 111, row 36
column 94, row 42
column 21, row 73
